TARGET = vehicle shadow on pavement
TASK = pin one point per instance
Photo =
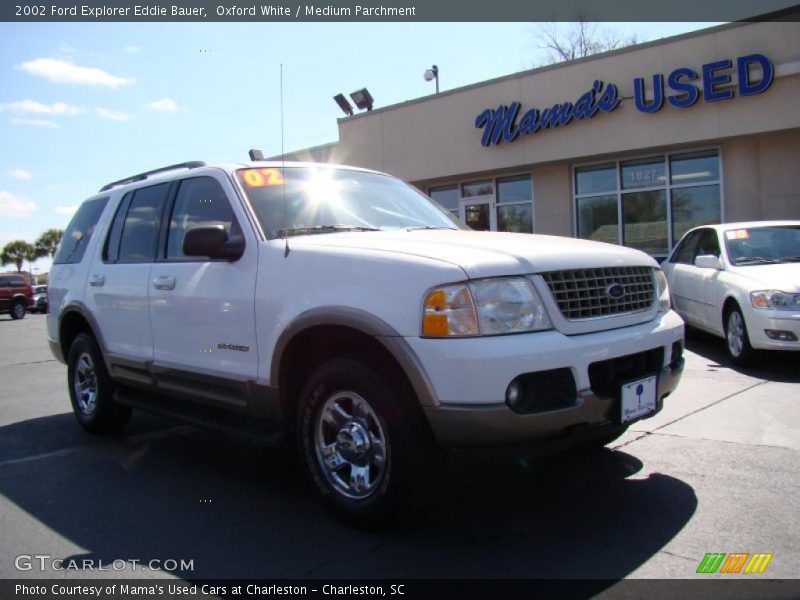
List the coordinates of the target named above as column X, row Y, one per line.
column 244, row 511
column 772, row 365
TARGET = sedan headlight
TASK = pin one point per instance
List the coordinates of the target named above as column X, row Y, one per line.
column 662, row 291
column 484, row 307
column 775, row 299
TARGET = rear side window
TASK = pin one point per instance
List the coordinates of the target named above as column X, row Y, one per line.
column 138, row 239
column 3, row 282
column 79, row 231
column 17, row 281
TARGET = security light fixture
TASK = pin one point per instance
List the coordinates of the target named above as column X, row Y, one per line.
column 363, row 99
column 432, row 73
column 344, row 104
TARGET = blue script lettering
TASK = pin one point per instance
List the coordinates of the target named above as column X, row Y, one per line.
column 500, row 124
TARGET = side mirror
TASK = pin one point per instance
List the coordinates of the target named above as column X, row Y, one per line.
column 708, row 261
column 212, row 242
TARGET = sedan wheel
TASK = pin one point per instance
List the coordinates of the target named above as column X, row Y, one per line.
column 737, row 341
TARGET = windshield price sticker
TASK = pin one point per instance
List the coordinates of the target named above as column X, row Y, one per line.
column 261, row 177
column 737, row 234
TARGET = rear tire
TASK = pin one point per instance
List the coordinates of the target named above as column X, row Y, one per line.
column 364, row 444
column 91, row 389
column 737, row 342
column 18, row 310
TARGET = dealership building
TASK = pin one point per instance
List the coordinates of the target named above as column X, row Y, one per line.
column 632, row 146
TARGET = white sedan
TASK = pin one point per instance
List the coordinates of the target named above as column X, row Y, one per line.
column 740, row 281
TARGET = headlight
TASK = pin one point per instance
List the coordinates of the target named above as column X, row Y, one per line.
column 662, row 291
column 486, row 307
column 775, row 299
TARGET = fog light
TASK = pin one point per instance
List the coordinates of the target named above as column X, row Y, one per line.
column 780, row 336
column 514, row 395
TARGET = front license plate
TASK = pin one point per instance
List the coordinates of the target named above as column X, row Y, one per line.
column 638, row 398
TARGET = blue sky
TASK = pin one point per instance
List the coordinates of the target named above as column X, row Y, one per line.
column 83, row 104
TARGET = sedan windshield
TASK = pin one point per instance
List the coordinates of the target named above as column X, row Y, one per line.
column 763, row 245
column 314, row 200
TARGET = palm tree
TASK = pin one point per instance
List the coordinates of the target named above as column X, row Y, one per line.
column 16, row 252
column 47, row 243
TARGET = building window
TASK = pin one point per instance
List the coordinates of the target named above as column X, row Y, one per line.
column 648, row 203
column 447, row 196
column 501, row 204
column 515, row 204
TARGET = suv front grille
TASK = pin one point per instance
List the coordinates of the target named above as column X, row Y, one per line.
column 584, row 293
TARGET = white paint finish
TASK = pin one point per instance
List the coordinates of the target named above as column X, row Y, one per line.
column 478, row 370
column 700, row 293
column 488, row 254
column 212, row 303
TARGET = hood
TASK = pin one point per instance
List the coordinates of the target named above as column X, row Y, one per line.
column 784, row 277
column 485, row 253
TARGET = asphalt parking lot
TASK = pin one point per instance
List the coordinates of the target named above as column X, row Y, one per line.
column 715, row 471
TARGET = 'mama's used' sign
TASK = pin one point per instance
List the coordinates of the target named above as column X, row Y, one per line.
column 505, row 124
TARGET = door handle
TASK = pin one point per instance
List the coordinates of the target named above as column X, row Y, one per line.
column 164, row 282
column 97, row 280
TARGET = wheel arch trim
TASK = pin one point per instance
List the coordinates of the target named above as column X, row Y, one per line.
column 368, row 324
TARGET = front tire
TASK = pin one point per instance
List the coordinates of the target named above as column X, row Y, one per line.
column 91, row 389
column 18, row 310
column 363, row 443
column 737, row 342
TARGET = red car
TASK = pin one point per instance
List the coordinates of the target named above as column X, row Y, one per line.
column 16, row 295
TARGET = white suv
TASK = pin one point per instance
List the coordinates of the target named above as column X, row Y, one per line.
column 347, row 309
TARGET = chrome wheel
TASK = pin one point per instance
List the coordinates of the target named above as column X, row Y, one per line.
column 350, row 444
column 85, row 384
column 735, row 333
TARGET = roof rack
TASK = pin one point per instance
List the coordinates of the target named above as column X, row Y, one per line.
column 142, row 176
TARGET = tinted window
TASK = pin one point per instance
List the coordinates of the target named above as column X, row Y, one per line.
column 696, row 167
column 200, row 202
column 446, row 196
column 708, row 244
column 79, row 231
column 17, row 281
column 142, row 222
column 685, row 251
column 3, row 282
column 477, row 188
column 595, row 179
column 111, row 248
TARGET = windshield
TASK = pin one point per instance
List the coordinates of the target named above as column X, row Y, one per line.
column 763, row 245
column 328, row 200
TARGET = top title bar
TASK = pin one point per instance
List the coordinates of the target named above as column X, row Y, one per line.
column 394, row 10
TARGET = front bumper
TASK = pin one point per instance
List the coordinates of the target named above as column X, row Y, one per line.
column 497, row 425
column 470, row 378
column 759, row 320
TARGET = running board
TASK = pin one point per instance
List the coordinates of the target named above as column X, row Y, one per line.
column 245, row 427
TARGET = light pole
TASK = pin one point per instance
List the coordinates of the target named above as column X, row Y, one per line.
column 432, row 73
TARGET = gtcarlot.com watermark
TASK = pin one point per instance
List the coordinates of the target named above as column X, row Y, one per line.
column 46, row 562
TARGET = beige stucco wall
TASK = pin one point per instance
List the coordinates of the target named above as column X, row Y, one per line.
column 434, row 141
column 436, row 137
column 762, row 177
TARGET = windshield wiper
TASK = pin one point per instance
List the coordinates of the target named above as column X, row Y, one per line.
column 755, row 260
column 429, row 227
column 323, row 229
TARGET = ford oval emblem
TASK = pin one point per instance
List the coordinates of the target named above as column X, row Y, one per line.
column 615, row 291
